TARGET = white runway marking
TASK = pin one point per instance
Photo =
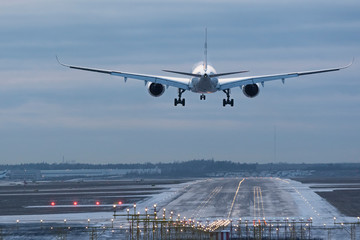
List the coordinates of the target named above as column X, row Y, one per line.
column 236, row 193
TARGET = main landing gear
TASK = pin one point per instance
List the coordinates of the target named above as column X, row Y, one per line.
column 179, row 100
column 202, row 97
column 227, row 100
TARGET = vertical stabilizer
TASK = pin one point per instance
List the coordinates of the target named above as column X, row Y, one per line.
column 205, row 51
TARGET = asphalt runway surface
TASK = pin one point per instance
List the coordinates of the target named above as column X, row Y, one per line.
column 231, row 198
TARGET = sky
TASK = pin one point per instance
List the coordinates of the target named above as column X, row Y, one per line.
column 48, row 112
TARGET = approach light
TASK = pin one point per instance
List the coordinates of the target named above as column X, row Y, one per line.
column 120, row 203
column 75, row 203
column 97, row 203
column 52, row 203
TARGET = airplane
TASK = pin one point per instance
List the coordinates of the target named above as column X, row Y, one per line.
column 204, row 80
column 4, row 174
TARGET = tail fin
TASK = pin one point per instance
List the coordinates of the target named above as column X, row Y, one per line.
column 205, row 51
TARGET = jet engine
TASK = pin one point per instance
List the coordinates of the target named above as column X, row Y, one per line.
column 155, row 89
column 251, row 90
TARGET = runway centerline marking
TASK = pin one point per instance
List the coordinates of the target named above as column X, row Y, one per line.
column 258, row 203
column 262, row 202
column 236, row 193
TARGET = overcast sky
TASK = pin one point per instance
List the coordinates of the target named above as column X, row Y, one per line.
column 48, row 111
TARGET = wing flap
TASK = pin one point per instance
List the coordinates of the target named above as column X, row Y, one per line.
column 238, row 82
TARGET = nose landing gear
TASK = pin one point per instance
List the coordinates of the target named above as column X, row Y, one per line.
column 227, row 100
column 202, row 97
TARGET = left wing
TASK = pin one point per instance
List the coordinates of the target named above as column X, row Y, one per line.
column 227, row 83
column 182, row 83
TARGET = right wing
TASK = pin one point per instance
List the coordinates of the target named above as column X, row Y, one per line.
column 226, row 83
column 182, row 83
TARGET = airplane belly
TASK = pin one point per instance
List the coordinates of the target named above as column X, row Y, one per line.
column 203, row 86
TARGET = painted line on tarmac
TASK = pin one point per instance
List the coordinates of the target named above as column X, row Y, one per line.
column 236, row 193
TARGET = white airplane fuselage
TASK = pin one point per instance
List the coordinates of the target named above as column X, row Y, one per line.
column 204, row 84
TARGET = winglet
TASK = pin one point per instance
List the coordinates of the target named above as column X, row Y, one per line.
column 61, row 62
column 346, row 66
column 353, row 60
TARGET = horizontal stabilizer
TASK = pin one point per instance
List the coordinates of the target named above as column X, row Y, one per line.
column 183, row 73
column 199, row 75
column 228, row 73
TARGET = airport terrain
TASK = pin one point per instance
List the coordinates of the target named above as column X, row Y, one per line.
column 204, row 200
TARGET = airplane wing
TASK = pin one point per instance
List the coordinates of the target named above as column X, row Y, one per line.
column 227, row 83
column 182, row 83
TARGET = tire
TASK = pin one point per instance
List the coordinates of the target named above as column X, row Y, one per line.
column 183, row 102
column 175, row 102
column 224, row 102
column 232, row 102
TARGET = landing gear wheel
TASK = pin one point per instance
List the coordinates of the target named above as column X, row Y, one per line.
column 202, row 97
column 183, row 102
column 227, row 100
column 179, row 100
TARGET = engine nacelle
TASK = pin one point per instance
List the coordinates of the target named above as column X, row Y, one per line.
column 251, row 90
column 155, row 89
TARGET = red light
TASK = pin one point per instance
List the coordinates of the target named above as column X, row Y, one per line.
column 120, row 203
column 75, row 203
column 52, row 203
column 97, row 203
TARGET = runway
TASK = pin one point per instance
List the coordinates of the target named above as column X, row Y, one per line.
column 213, row 198
column 234, row 198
